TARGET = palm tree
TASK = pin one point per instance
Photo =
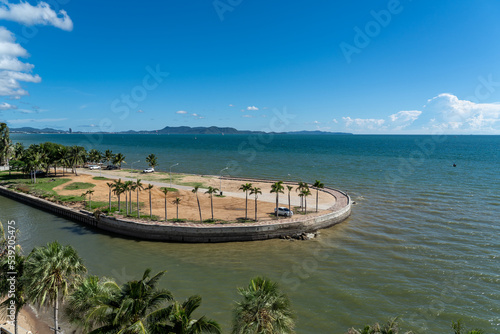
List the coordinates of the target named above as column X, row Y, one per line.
column 76, row 156
column 5, row 143
column 52, row 270
column 138, row 186
column 135, row 307
column 118, row 189
column 108, row 156
column 305, row 192
column 299, row 189
column 277, row 188
column 90, row 192
column 256, row 191
column 318, row 185
column 119, row 159
column 18, row 296
column 264, row 309
column 164, row 190
column 176, row 201
column 289, row 189
column 211, row 191
column 180, row 321
column 110, row 187
column 88, row 295
column 246, row 187
column 127, row 188
column 149, row 187
column 95, row 156
column 195, row 191
column 152, row 160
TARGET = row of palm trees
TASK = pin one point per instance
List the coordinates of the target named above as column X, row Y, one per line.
column 118, row 188
column 54, row 276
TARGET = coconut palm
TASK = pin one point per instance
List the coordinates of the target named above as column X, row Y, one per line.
column 76, row 157
column 87, row 297
column 18, row 297
column 317, row 185
column 289, row 189
column 195, row 191
column 264, row 309
column 52, row 271
column 108, row 156
column 300, row 187
column 255, row 191
column 211, row 191
column 138, row 186
column 137, row 306
column 90, row 192
column 149, row 187
column 180, row 321
column 152, row 160
column 95, row 156
column 176, row 201
column 118, row 189
column 277, row 188
column 110, row 187
column 246, row 187
column 165, row 191
column 5, row 143
column 305, row 192
column 119, row 159
column 127, row 188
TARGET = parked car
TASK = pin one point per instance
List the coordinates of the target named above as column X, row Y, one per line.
column 112, row 167
column 91, row 167
column 149, row 170
column 282, row 211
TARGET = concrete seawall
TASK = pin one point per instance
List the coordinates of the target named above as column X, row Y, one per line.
column 192, row 232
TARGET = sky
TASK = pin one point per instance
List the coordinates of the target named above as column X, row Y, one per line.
column 377, row 67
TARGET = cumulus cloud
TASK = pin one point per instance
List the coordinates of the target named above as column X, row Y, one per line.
column 364, row 123
column 404, row 118
column 140, row 111
column 12, row 70
column 335, row 121
column 252, row 108
column 194, row 114
column 182, row 112
column 462, row 115
column 7, row 106
column 30, row 15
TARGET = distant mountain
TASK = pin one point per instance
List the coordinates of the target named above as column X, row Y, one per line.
column 180, row 130
column 28, row 129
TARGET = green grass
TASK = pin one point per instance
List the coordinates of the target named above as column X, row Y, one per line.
column 79, row 186
column 172, row 189
column 68, row 198
column 193, row 184
column 101, row 178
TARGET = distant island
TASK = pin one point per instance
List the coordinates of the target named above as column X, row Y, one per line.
column 176, row 130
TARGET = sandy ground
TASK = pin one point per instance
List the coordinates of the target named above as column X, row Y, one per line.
column 228, row 208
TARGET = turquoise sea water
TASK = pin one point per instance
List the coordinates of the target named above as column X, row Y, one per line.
column 422, row 242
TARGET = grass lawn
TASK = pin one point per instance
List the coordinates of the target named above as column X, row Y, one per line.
column 101, row 178
column 79, row 186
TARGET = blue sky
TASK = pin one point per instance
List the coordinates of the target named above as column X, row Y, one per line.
column 363, row 67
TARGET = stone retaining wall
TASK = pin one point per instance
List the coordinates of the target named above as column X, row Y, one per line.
column 191, row 232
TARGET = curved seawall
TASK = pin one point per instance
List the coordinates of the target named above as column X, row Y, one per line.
column 193, row 232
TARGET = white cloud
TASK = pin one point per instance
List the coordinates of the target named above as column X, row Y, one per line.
column 7, row 106
column 316, row 122
column 464, row 116
column 364, row 123
column 42, row 14
column 247, row 116
column 231, row 105
column 182, row 112
column 140, row 111
column 195, row 115
column 9, row 82
column 335, row 121
column 253, row 108
column 31, row 120
column 406, row 116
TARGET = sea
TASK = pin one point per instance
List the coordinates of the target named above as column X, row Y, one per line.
column 422, row 243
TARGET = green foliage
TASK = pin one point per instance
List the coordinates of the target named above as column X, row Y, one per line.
column 100, row 178
column 79, row 186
